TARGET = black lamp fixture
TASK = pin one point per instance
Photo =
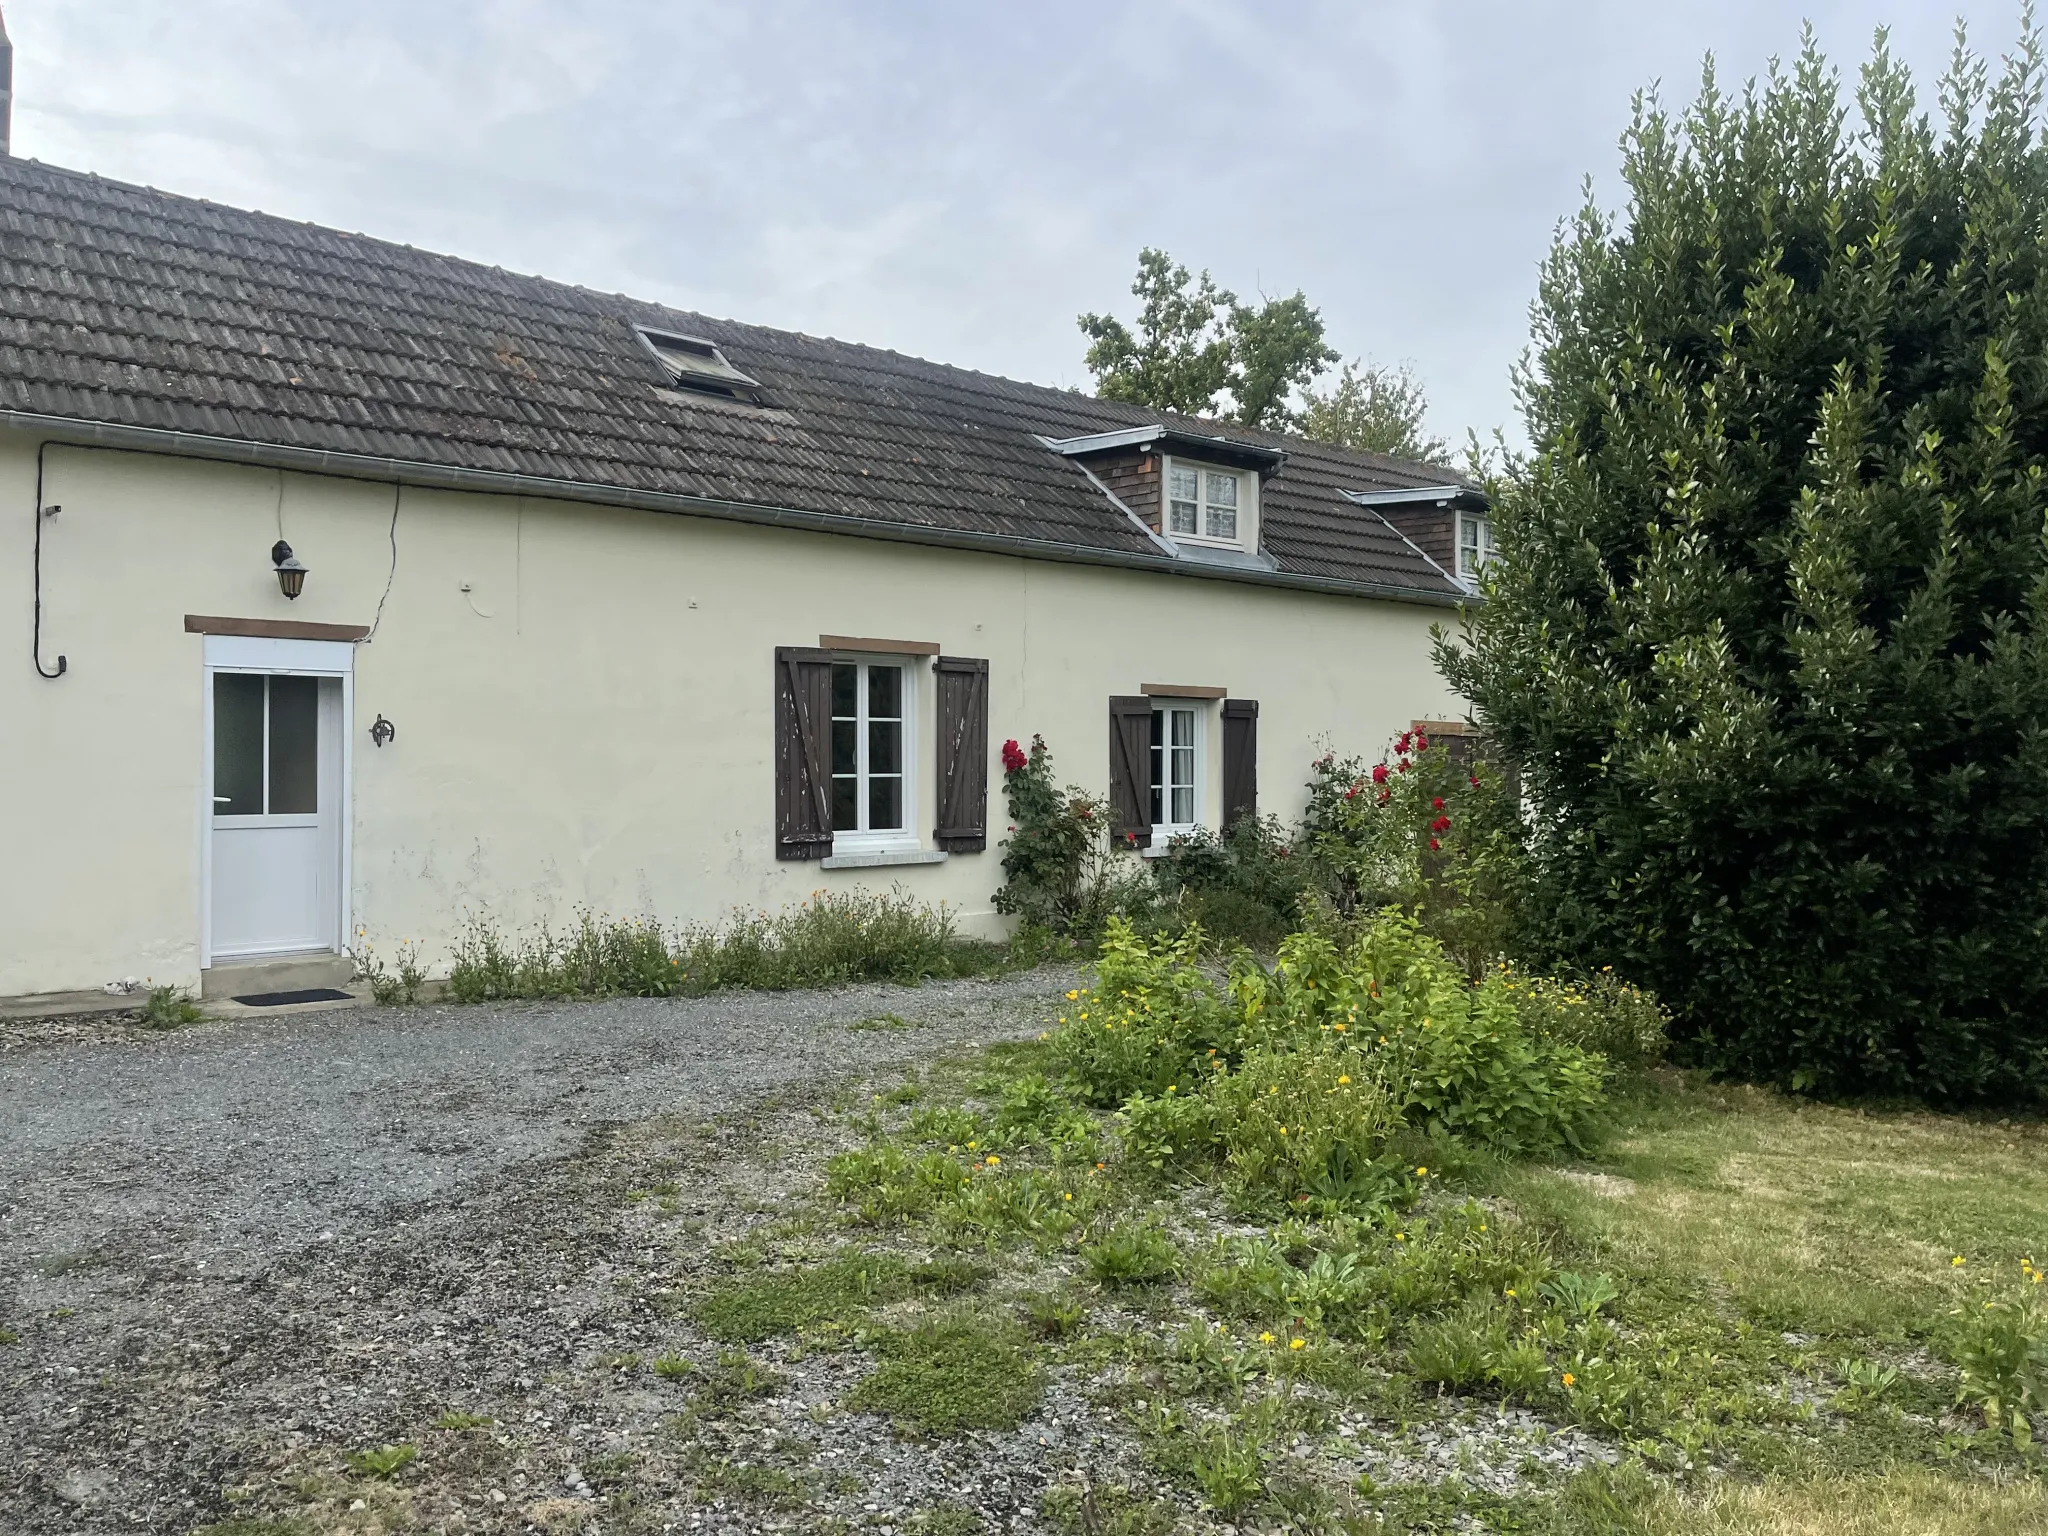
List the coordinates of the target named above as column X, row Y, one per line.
column 291, row 576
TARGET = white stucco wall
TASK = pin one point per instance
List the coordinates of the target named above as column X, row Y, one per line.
column 591, row 722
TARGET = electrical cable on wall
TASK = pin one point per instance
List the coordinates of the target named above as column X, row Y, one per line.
column 36, row 644
column 397, row 491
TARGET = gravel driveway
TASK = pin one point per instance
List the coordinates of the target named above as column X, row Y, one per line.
column 229, row 1251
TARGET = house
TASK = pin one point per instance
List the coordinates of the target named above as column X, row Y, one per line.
column 367, row 588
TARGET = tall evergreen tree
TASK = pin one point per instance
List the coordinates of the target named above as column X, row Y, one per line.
column 1766, row 634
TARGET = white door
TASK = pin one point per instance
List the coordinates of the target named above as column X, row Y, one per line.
column 277, row 805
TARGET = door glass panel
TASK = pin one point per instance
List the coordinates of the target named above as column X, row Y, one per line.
column 237, row 744
column 845, row 803
column 1158, row 756
column 294, row 746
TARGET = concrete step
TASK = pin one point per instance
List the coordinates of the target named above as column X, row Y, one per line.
column 275, row 973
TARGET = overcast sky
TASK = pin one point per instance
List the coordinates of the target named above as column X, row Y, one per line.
column 950, row 179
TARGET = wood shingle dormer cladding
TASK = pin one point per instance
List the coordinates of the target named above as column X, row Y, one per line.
column 1450, row 524
column 1138, row 466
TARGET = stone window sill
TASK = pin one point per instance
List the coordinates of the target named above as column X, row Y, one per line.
column 880, row 860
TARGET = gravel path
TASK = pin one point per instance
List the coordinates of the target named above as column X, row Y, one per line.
column 228, row 1251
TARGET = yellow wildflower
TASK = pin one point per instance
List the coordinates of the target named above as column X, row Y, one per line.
column 1422, row 1173
column 1345, row 1079
column 1265, row 1338
column 1570, row 1380
column 1296, row 1343
column 1956, row 1262
column 1072, row 996
column 992, row 1159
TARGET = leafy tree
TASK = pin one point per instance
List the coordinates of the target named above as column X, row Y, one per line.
column 1766, row 634
column 1195, row 342
column 1376, row 408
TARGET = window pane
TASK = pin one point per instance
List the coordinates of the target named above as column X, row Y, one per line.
column 845, row 744
column 294, row 745
column 1222, row 525
column 1157, row 760
column 1183, row 808
column 845, row 803
column 885, row 804
column 1183, row 520
column 237, row 744
column 885, row 693
column 1183, row 484
column 1223, row 491
column 885, row 746
column 1183, row 727
column 845, row 683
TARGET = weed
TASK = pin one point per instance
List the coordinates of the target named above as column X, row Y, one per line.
column 951, row 1374
column 1228, row 1462
column 748, row 1483
column 8, row 1336
column 735, row 1377
column 1052, row 1315
column 454, row 1419
column 170, row 1008
column 1098, row 1510
column 1864, row 1384
column 949, row 1275
column 385, row 1462
column 626, row 1362
column 947, row 1520
column 1582, row 1296
column 389, row 987
column 784, row 1301
column 2001, row 1349
column 674, row 1368
column 881, row 1021
column 1132, row 1253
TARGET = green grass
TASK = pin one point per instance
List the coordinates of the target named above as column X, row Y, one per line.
column 840, row 1290
column 953, row 1373
column 170, row 1008
column 1749, row 1299
column 1842, row 1223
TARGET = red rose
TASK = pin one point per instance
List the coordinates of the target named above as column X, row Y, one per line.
column 1434, row 845
column 1475, row 781
column 1131, row 838
column 1379, row 773
column 1386, row 795
column 1437, row 804
column 1013, row 756
column 1441, row 824
column 1421, row 743
column 1401, row 766
column 1401, row 742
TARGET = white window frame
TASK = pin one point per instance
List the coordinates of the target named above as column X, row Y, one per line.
column 888, row 839
column 1163, row 832
column 1247, row 504
column 1481, row 547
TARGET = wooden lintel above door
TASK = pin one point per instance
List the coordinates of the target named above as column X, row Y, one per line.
column 272, row 629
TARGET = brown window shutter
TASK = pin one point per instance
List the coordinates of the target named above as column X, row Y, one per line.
column 1130, row 771
column 963, row 754
column 803, row 753
column 1240, row 760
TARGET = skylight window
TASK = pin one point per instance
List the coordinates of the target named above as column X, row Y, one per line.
column 696, row 364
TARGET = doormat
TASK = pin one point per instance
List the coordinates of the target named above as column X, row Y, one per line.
column 284, row 999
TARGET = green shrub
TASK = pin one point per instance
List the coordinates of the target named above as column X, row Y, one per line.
column 1052, row 1315
column 1060, row 874
column 388, row 987
column 384, row 1462
column 1152, row 1020
column 1306, row 1125
column 1621, row 1022
column 952, row 1374
column 1766, row 630
column 1245, row 885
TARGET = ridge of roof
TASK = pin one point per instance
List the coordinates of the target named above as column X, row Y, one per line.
column 124, row 306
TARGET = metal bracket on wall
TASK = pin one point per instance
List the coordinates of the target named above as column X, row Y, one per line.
column 383, row 730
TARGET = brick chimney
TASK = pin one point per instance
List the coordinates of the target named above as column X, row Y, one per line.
column 6, row 90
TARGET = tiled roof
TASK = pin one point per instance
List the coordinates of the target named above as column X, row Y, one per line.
column 127, row 306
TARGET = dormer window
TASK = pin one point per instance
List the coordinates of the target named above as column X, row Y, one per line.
column 696, row 364
column 1475, row 544
column 1209, row 505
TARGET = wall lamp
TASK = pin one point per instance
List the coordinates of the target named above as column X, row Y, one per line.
column 291, row 576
